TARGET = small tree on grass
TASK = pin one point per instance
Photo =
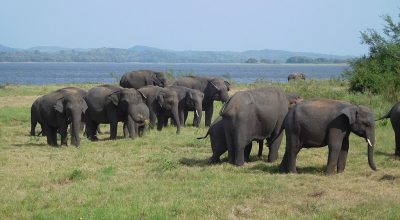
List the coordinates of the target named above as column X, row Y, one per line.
column 379, row 71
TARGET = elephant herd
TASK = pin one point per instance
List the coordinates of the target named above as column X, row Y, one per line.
column 253, row 115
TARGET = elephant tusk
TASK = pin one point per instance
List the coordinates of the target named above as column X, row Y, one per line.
column 369, row 142
column 197, row 113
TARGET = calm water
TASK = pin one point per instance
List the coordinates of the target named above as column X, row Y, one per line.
column 46, row 73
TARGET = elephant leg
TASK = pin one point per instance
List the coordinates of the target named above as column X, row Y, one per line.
column 274, row 148
column 247, row 151
column 396, row 129
column 343, row 155
column 51, row 134
column 113, row 130
column 239, row 144
column 229, row 144
column 182, row 117
column 293, row 147
column 90, row 130
column 160, row 120
column 260, row 148
column 208, row 114
column 185, row 115
column 33, row 125
column 335, row 145
column 152, row 118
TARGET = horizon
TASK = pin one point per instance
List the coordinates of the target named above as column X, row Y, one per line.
column 234, row 26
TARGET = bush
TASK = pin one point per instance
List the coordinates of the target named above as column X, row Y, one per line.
column 379, row 72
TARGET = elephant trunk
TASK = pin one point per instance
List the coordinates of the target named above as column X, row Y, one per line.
column 371, row 142
column 130, row 125
column 176, row 119
column 75, row 128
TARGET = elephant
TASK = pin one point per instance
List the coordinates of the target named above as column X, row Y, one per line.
column 109, row 104
column 35, row 114
column 218, row 142
column 189, row 100
column 59, row 108
column 394, row 115
column 321, row 122
column 140, row 78
column 296, row 76
column 162, row 103
column 213, row 89
column 218, row 139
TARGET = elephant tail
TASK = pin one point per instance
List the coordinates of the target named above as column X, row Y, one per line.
column 204, row 136
column 387, row 115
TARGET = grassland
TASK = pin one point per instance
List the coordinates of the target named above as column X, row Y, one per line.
column 166, row 176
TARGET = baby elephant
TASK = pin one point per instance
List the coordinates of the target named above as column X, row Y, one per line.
column 218, row 142
column 394, row 115
column 321, row 122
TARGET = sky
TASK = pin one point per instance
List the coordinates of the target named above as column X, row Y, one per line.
column 328, row 26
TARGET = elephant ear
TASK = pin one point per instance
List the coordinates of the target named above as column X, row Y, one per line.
column 160, row 99
column 114, row 98
column 228, row 85
column 59, row 106
column 189, row 97
column 351, row 113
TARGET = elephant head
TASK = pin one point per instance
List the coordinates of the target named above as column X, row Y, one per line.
column 72, row 108
column 159, row 79
column 168, row 101
column 194, row 99
column 362, row 123
column 293, row 99
column 219, row 89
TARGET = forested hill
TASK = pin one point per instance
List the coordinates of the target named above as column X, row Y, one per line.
column 155, row 55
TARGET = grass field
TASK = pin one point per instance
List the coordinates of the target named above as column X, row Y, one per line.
column 166, row 176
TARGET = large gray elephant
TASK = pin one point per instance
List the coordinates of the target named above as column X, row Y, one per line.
column 140, row 78
column 109, row 104
column 162, row 103
column 214, row 89
column 321, row 122
column 218, row 139
column 394, row 115
column 254, row 115
column 189, row 100
column 35, row 113
column 59, row 108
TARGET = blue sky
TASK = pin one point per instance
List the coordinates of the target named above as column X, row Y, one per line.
column 330, row 26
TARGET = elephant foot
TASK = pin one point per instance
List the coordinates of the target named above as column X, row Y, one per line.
column 213, row 160
column 94, row 138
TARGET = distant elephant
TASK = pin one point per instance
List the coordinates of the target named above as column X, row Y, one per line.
column 189, row 100
column 59, row 108
column 162, row 103
column 213, row 89
column 109, row 104
column 394, row 115
column 321, row 122
column 218, row 138
column 296, row 76
column 35, row 114
column 140, row 78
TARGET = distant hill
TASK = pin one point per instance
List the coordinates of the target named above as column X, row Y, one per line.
column 153, row 55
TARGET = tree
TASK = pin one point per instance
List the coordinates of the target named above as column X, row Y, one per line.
column 251, row 60
column 379, row 71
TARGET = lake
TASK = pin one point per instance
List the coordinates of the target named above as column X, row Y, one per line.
column 47, row 73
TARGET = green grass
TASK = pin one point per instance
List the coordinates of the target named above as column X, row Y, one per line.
column 166, row 176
